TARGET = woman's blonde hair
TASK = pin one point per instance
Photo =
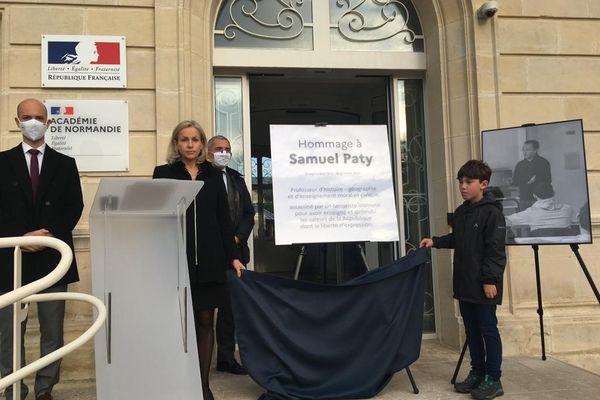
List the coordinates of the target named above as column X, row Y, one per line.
column 173, row 152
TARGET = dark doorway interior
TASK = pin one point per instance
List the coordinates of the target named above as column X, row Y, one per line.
column 309, row 98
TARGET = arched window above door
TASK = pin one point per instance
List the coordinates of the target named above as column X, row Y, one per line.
column 319, row 33
column 264, row 24
column 390, row 25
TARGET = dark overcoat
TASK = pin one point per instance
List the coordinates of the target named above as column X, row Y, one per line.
column 210, row 242
column 57, row 208
column 243, row 214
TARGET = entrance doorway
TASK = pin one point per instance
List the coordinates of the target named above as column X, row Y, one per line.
column 310, row 98
column 245, row 106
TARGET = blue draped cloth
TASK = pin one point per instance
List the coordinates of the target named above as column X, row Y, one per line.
column 301, row 340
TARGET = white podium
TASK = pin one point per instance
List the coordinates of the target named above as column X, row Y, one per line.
column 139, row 268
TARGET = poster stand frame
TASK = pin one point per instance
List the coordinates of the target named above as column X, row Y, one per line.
column 540, row 311
column 323, row 250
column 535, row 246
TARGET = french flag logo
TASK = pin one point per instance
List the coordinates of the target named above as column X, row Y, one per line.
column 84, row 52
column 66, row 110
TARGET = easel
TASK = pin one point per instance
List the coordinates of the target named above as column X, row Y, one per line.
column 540, row 310
column 323, row 250
column 339, row 277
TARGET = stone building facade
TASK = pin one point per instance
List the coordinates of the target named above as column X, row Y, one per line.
column 534, row 61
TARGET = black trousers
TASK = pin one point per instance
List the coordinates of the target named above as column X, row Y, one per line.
column 483, row 338
column 225, row 332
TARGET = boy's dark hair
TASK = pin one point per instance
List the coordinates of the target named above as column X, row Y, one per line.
column 475, row 169
column 534, row 143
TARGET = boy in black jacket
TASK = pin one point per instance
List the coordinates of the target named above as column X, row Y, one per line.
column 477, row 237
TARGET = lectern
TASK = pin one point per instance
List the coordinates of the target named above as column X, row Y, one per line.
column 139, row 268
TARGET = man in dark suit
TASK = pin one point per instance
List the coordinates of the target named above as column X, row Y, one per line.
column 242, row 215
column 531, row 171
column 40, row 195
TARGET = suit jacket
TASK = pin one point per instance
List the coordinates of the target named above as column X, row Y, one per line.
column 212, row 252
column 243, row 213
column 524, row 171
column 57, row 208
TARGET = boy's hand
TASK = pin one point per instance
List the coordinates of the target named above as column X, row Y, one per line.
column 426, row 243
column 490, row 291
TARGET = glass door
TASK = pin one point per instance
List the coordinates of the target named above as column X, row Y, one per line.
column 310, row 98
column 410, row 160
column 246, row 106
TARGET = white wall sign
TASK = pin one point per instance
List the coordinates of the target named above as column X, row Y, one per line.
column 84, row 61
column 94, row 132
column 332, row 184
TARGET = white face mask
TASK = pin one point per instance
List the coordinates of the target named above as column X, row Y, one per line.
column 33, row 129
column 220, row 160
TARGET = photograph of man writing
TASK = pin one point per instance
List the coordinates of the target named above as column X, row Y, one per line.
column 532, row 170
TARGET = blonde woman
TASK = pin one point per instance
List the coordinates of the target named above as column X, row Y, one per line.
column 210, row 243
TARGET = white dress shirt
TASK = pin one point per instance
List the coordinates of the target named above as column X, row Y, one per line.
column 40, row 156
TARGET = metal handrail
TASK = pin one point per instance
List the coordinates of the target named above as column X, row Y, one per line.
column 26, row 294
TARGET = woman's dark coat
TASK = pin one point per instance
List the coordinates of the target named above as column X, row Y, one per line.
column 211, row 254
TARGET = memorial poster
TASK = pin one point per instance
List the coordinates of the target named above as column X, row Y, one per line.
column 539, row 175
column 332, row 184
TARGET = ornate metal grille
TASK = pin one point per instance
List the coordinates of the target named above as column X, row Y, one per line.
column 265, row 24
column 388, row 22
column 372, row 25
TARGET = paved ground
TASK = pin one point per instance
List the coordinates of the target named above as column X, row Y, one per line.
column 524, row 378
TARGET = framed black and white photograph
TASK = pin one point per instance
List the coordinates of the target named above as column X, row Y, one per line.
column 539, row 176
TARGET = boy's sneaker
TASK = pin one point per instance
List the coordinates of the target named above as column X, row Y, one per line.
column 471, row 382
column 488, row 389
